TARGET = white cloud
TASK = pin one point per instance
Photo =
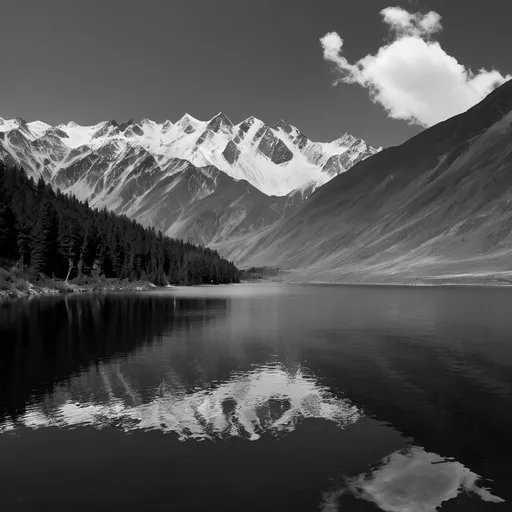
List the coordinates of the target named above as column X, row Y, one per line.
column 412, row 77
column 405, row 23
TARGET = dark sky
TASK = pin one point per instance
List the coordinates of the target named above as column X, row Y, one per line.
column 93, row 60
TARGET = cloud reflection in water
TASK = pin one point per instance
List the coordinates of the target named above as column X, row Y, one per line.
column 411, row 481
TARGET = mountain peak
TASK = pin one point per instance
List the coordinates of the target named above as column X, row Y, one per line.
column 284, row 125
column 345, row 140
column 188, row 123
column 123, row 126
column 38, row 128
column 8, row 124
column 245, row 125
column 220, row 119
column 187, row 118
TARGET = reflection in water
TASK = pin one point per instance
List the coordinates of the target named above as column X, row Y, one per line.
column 253, row 362
column 45, row 341
column 411, row 481
column 267, row 399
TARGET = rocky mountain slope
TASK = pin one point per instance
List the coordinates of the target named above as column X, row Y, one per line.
column 206, row 181
column 437, row 208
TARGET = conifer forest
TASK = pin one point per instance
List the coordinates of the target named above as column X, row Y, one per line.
column 62, row 237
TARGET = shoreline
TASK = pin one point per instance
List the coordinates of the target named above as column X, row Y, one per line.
column 32, row 290
column 408, row 285
column 35, row 291
column 433, row 283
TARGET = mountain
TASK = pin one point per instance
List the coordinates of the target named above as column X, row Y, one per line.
column 206, row 182
column 437, row 208
column 275, row 159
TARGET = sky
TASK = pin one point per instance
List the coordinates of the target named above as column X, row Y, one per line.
column 381, row 70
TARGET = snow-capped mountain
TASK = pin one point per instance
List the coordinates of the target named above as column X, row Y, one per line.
column 202, row 180
column 276, row 159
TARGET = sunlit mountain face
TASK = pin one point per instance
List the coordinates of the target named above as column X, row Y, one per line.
column 411, row 480
column 266, row 400
column 275, row 159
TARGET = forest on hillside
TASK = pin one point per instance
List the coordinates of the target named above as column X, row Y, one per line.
column 59, row 236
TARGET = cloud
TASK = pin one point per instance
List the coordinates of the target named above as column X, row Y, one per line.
column 412, row 77
column 405, row 23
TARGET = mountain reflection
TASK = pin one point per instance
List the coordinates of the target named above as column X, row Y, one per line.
column 411, row 481
column 268, row 399
column 44, row 342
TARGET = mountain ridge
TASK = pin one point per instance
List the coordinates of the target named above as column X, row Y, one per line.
column 164, row 174
column 276, row 159
column 438, row 206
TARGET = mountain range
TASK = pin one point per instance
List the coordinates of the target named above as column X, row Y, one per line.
column 437, row 208
column 205, row 181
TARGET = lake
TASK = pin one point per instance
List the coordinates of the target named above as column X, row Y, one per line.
column 258, row 397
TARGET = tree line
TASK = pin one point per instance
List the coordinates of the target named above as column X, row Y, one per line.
column 60, row 236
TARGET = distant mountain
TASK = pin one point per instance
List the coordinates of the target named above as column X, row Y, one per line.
column 275, row 159
column 437, row 208
column 206, row 181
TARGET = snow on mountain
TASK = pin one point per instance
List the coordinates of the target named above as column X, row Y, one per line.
column 9, row 124
column 38, row 128
column 275, row 159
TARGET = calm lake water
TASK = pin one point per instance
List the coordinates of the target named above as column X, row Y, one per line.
column 258, row 398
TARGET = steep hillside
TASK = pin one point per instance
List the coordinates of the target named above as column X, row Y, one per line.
column 204, row 205
column 438, row 206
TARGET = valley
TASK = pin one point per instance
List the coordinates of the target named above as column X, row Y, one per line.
column 436, row 209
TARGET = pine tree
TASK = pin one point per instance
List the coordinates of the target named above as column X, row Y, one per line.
column 100, row 266
column 83, row 250
column 40, row 187
column 116, row 254
column 24, row 243
column 8, row 235
column 45, row 239
column 127, row 270
column 69, row 246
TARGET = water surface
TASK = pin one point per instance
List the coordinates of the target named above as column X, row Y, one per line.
column 258, row 397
